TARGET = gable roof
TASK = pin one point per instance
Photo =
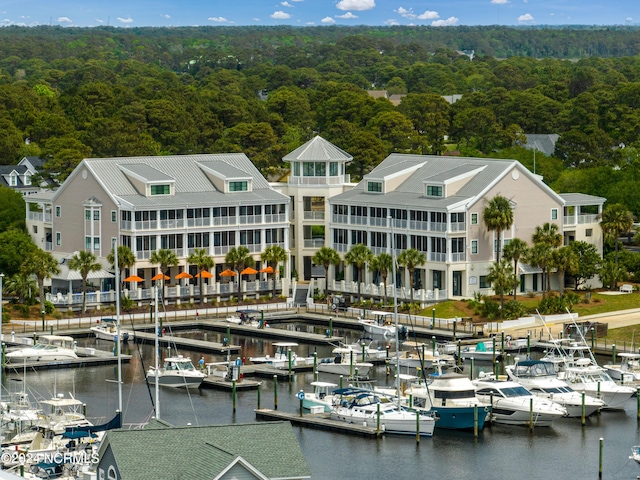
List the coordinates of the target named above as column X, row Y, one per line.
column 192, row 185
column 158, row 453
column 484, row 173
column 318, row 149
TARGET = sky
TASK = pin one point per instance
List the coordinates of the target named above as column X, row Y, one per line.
column 172, row 13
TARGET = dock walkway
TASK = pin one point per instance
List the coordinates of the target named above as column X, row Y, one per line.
column 319, row 421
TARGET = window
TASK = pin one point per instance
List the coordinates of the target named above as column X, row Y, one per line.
column 160, row 189
column 13, row 180
column 96, row 215
column 111, row 473
column 333, row 169
column 474, row 219
column 87, row 214
column 375, row 187
column 58, row 239
column 588, row 232
column 239, row 186
column 114, row 216
column 296, row 169
column 96, row 243
column 554, row 214
column 87, row 243
column 58, row 211
column 35, row 229
column 434, row 190
column 483, row 282
column 474, row 247
column 27, row 179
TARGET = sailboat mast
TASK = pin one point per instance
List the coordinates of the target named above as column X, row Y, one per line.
column 118, row 334
column 395, row 307
column 157, row 366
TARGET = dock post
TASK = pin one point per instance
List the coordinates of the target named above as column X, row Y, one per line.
column 378, row 420
column 330, row 327
column 471, row 369
column 301, row 397
column 583, row 418
column 364, row 356
column 493, row 356
column 433, row 345
column 459, row 360
column 233, row 394
column 290, row 359
column 613, row 353
column 531, row 414
column 229, row 333
column 502, row 340
column 418, row 428
column 4, row 350
column 340, row 382
column 275, row 392
column 638, row 401
column 351, row 363
column 315, row 366
column 455, row 322
column 600, row 461
column 496, row 369
column 84, row 409
column 528, row 346
column 259, row 388
column 433, row 318
column 475, row 421
column 593, row 344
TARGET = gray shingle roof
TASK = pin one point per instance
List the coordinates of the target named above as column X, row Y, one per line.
column 202, row 452
column 318, row 149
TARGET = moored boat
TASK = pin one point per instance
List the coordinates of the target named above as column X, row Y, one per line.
column 107, row 329
column 48, row 348
column 177, row 372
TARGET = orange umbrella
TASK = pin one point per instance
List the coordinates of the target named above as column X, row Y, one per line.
column 182, row 275
column 268, row 269
column 228, row 273
column 134, row 278
column 205, row 274
column 160, row 276
column 249, row 271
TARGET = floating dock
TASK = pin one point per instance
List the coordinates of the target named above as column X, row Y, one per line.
column 187, row 343
column 87, row 357
column 320, row 421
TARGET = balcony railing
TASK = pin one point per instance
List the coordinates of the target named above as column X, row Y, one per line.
column 357, row 220
column 199, row 222
column 340, row 218
column 313, row 215
column 437, row 257
column 275, row 218
column 313, row 242
column 338, row 180
column 225, row 220
column 458, row 227
column 458, row 257
column 250, row 219
column 48, row 246
column 172, row 223
column 39, row 217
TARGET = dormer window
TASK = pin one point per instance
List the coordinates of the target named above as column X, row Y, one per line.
column 160, row 189
column 238, row 186
column 435, row 191
column 374, row 186
column 27, row 179
column 13, row 180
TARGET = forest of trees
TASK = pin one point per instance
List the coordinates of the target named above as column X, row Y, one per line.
column 70, row 93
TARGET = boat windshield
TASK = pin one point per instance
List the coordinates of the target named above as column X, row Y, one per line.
column 515, row 392
column 40, row 346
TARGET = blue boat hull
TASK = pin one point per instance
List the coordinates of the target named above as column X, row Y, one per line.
column 460, row 418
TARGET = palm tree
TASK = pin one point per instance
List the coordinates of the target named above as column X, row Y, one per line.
column 616, row 218
column 564, row 259
column 498, row 216
column 21, row 285
column 541, row 256
column 502, row 279
column 383, row 262
column 326, row 256
column 548, row 234
column 43, row 265
column 515, row 250
column 359, row 256
column 239, row 258
column 126, row 259
column 273, row 255
column 165, row 258
column 410, row 259
column 84, row 262
column 201, row 259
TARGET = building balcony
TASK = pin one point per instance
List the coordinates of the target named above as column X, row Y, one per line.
column 336, row 180
column 313, row 215
column 313, row 242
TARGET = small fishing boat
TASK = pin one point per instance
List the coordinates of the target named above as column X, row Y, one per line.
column 344, row 363
column 628, row 370
column 482, row 351
column 381, row 323
column 321, row 398
column 280, row 358
column 177, row 372
column 107, row 329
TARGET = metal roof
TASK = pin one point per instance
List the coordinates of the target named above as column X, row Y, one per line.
column 147, row 172
column 582, row 199
column 318, row 149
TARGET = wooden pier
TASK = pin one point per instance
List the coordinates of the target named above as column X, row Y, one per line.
column 320, row 421
column 188, row 343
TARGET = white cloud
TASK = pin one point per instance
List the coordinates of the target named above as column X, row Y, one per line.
column 357, row 5
column 393, row 22
column 527, row 17
column 406, row 13
column 502, row 2
column 280, row 15
column 165, row 15
column 347, row 16
column 64, row 20
column 99, row 20
column 428, row 15
column 256, row 19
column 449, row 22
column 218, row 20
column 628, row 19
column 286, row 4
column 125, row 20
column 328, row 21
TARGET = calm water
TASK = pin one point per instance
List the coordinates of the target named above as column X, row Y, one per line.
column 565, row 451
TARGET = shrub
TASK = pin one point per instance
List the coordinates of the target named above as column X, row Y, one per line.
column 514, row 309
column 49, row 307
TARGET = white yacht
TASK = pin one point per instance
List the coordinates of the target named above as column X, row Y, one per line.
column 344, row 363
column 177, row 372
column 107, row 329
column 48, row 348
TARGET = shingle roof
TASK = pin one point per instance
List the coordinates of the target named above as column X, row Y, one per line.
column 192, row 185
column 318, row 149
column 201, row 452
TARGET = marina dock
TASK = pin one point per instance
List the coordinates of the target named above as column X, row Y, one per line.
column 319, row 421
column 87, row 357
column 188, row 343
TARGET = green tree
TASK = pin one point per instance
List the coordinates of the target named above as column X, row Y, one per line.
column 549, row 234
column 126, row 259
column 165, row 259
column 273, row 255
column 588, row 263
column 326, row 256
column 12, row 209
column 502, row 279
column 410, row 259
column 616, row 219
column 498, row 216
column 359, row 256
column 203, row 261
column 15, row 246
column 610, row 274
column 383, row 263
column 514, row 251
column 564, row 259
column 43, row 265
column 541, row 256
column 21, row 285
column 85, row 263
column 239, row 258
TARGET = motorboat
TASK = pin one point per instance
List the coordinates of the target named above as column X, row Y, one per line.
column 481, row 351
column 540, row 378
column 366, row 407
column 234, row 319
column 421, row 355
column 280, row 358
column 47, row 348
column 363, row 350
column 107, row 329
column 594, row 380
column 322, row 398
column 177, row 372
column 635, row 454
column 452, row 398
column 381, row 323
column 627, row 370
column 345, row 362
column 513, row 404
